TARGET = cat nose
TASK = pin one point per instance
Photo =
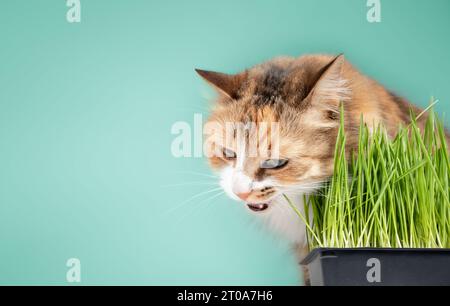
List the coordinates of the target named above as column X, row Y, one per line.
column 243, row 196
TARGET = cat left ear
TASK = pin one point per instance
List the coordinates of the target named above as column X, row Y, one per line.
column 226, row 84
column 331, row 87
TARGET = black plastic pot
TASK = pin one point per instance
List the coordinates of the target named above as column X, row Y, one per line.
column 378, row 267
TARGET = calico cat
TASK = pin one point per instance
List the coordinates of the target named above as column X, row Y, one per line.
column 303, row 95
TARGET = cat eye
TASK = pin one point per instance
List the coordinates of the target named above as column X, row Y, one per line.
column 228, row 154
column 274, row 163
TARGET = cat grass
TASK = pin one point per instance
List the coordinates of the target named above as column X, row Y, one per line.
column 391, row 193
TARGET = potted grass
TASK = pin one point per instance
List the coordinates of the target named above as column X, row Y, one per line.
column 384, row 217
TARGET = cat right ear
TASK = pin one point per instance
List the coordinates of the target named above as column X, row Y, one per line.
column 226, row 84
column 331, row 88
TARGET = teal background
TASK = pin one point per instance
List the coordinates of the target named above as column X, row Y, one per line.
column 86, row 112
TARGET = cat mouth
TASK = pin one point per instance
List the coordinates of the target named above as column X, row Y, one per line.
column 258, row 207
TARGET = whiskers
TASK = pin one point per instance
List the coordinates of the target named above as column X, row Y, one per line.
column 304, row 188
column 199, row 183
column 198, row 174
column 198, row 201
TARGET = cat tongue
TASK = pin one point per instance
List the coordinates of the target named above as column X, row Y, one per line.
column 258, row 207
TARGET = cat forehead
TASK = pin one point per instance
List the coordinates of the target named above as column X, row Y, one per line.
column 275, row 91
column 282, row 80
column 243, row 114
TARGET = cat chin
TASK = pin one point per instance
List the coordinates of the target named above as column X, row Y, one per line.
column 280, row 218
column 283, row 220
column 278, row 215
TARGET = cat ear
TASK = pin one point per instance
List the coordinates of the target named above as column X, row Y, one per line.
column 226, row 84
column 330, row 88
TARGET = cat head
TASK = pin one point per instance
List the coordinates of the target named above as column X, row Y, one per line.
column 273, row 127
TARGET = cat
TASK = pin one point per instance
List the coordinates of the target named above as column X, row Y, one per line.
column 303, row 95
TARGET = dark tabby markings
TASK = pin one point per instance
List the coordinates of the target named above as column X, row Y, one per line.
column 271, row 86
column 404, row 106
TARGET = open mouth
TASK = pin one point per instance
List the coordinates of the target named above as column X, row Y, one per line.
column 258, row 207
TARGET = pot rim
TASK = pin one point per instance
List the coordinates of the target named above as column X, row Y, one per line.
column 323, row 252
